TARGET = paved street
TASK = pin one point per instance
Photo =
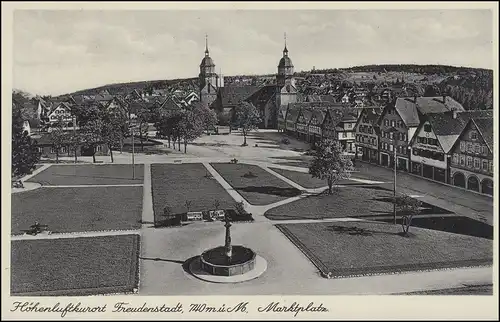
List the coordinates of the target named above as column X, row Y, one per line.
column 163, row 251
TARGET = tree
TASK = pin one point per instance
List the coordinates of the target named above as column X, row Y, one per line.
column 143, row 117
column 207, row 117
column 57, row 138
column 216, row 204
column 188, row 204
column 24, row 151
column 239, row 207
column 190, row 127
column 407, row 207
column 330, row 163
column 247, row 118
column 92, row 135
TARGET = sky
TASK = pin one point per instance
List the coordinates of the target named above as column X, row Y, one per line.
column 56, row 51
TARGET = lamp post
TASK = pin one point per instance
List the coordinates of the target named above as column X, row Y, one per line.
column 132, row 128
column 394, row 141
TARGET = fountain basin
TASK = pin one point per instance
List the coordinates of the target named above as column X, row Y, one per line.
column 214, row 261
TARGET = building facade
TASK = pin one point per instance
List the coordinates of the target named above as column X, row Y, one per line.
column 472, row 157
column 367, row 135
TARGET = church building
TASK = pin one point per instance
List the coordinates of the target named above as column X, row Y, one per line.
column 268, row 99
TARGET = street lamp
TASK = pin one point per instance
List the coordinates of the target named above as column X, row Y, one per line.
column 132, row 128
column 394, row 131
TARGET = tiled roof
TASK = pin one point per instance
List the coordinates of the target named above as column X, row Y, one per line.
column 307, row 114
column 292, row 113
column 319, row 114
column 485, row 126
column 170, row 104
column 233, row 95
column 410, row 107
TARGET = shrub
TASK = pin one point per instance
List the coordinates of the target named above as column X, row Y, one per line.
column 285, row 141
column 239, row 207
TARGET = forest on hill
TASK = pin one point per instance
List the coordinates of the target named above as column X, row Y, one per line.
column 472, row 87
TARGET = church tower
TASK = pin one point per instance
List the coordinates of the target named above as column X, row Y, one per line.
column 208, row 78
column 286, row 91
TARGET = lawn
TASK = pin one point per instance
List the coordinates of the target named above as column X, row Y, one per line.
column 75, row 266
column 301, row 178
column 89, row 174
column 173, row 184
column 78, row 209
column 260, row 188
column 361, row 248
column 356, row 200
column 346, row 202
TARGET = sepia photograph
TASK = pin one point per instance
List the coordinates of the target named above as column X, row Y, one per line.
column 239, row 151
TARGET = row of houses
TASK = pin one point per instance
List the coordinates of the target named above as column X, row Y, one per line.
column 433, row 137
column 43, row 114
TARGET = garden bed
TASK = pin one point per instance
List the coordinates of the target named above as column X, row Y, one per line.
column 256, row 185
column 345, row 249
column 78, row 209
column 173, row 184
column 75, row 266
column 89, row 174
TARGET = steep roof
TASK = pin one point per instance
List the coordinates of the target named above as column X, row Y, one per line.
column 307, row 114
column 292, row 113
column 409, row 108
column 319, row 114
column 262, row 95
column 233, row 95
column 485, row 126
column 448, row 128
column 170, row 104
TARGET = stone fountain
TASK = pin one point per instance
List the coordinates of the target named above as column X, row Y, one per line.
column 228, row 263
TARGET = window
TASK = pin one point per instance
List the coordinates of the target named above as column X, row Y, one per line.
column 473, row 135
column 52, row 149
column 469, row 162
column 485, row 165
column 470, row 149
column 427, row 127
column 484, row 150
column 391, row 147
column 393, row 123
column 477, row 148
column 462, row 146
column 391, row 135
column 63, row 149
column 98, row 148
column 415, row 151
column 477, row 164
column 491, row 167
column 39, row 149
column 386, row 122
column 462, row 160
column 455, row 158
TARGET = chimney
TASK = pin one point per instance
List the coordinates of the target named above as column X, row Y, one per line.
column 454, row 113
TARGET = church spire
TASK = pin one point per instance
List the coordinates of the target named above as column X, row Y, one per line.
column 206, row 44
column 285, row 51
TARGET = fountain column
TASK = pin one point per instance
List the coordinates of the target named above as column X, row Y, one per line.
column 228, row 248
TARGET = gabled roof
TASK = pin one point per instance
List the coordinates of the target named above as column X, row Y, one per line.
column 64, row 105
column 319, row 114
column 292, row 113
column 307, row 114
column 448, row 128
column 485, row 126
column 409, row 108
column 233, row 95
column 170, row 104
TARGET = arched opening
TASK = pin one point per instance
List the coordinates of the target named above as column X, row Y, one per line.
column 487, row 186
column 473, row 183
column 459, row 179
